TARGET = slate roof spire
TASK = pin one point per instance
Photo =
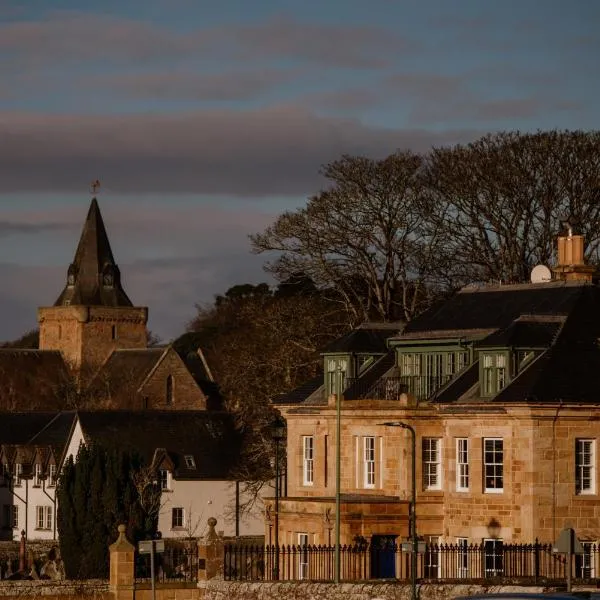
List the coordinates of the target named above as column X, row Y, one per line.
column 93, row 278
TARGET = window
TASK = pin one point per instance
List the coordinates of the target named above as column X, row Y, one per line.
column 584, row 564
column 462, row 464
column 113, row 332
column 493, row 465
column 165, row 479
column 463, row 557
column 10, row 516
column 37, row 475
column 369, row 462
column 432, row 479
column 177, row 518
column 52, row 476
column 190, row 463
column 336, row 375
column 432, row 557
column 169, row 390
column 308, row 442
column 493, row 557
column 17, row 472
column 494, row 373
column 302, row 555
column 585, row 468
column 4, row 475
column 43, row 517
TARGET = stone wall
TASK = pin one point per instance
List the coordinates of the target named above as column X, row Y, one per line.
column 96, row 589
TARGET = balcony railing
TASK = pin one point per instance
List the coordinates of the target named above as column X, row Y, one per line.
column 420, row 387
column 515, row 563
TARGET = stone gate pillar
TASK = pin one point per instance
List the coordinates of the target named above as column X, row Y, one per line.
column 210, row 554
column 122, row 567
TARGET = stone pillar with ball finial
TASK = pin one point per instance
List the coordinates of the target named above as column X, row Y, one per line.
column 122, row 567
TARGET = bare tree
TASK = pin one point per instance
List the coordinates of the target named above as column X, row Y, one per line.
column 499, row 201
column 363, row 239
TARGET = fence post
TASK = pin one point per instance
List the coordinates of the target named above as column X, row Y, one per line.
column 536, row 560
column 122, row 567
column 211, row 556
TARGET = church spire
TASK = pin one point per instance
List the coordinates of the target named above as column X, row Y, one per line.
column 93, row 278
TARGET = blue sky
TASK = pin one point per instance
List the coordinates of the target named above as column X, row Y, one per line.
column 205, row 120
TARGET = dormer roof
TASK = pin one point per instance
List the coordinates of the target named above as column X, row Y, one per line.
column 93, row 278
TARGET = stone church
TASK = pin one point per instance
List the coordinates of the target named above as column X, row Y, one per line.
column 93, row 351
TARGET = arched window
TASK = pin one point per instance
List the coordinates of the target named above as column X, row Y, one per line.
column 169, row 390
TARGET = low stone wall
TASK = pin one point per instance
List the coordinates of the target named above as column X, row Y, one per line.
column 55, row 589
column 229, row 590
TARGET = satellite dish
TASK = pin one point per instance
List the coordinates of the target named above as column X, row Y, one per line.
column 540, row 274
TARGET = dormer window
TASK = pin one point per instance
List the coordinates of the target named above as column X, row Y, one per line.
column 4, row 474
column 108, row 276
column 37, row 475
column 17, row 473
column 336, row 375
column 494, row 372
column 165, row 479
column 190, row 463
column 52, row 475
column 71, row 276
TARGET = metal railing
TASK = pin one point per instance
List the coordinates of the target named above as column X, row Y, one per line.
column 517, row 563
column 390, row 388
column 176, row 563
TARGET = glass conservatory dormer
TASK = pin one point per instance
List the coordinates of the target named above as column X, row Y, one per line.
column 427, row 366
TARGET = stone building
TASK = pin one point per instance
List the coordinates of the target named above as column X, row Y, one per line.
column 93, row 378
column 499, row 385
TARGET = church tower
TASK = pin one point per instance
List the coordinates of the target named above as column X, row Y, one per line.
column 93, row 315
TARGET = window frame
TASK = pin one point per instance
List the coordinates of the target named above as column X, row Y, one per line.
column 588, row 466
column 462, row 557
column 585, row 567
column 177, row 517
column 17, row 474
column 52, row 475
column 494, row 377
column 302, row 555
column 165, row 479
column 308, row 460
column 190, row 462
column 432, row 563
column 37, row 475
column 493, row 470
column 431, row 468
column 495, row 557
column 337, row 373
column 43, row 517
column 462, row 465
column 369, row 447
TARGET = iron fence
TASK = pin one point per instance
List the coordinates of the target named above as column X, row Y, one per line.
column 517, row 563
column 176, row 563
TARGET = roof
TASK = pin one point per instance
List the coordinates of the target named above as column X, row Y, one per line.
column 36, row 429
column 93, row 278
column 496, row 307
column 210, row 437
column 367, row 339
column 33, row 379
column 524, row 334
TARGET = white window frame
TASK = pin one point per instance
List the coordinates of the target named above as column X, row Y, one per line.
column 177, row 517
column 369, row 458
column 15, row 516
column 432, row 558
column 494, row 571
column 493, row 470
column 584, row 563
column 432, row 463
column 17, row 472
column 302, row 556
column 462, row 465
column 52, row 475
column 43, row 517
column 308, row 460
column 165, row 479
column 495, row 373
column 337, row 369
column 37, row 475
column 462, row 557
column 585, row 466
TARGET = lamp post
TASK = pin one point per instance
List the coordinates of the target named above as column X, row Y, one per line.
column 413, row 504
column 278, row 434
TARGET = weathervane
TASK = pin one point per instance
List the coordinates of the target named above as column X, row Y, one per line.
column 95, row 185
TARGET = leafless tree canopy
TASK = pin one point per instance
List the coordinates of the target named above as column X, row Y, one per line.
column 389, row 234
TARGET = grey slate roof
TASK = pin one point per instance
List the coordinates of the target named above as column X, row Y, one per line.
column 523, row 334
column 368, row 339
column 210, row 437
column 93, row 278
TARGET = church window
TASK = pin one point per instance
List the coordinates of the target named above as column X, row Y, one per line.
column 60, row 332
column 169, row 390
column 113, row 332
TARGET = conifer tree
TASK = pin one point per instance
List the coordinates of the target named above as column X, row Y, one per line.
column 97, row 492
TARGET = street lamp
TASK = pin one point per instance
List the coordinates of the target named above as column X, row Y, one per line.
column 413, row 504
column 278, row 434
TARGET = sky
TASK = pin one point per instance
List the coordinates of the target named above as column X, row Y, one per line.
column 205, row 120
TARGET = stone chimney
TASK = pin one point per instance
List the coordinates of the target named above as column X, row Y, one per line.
column 571, row 256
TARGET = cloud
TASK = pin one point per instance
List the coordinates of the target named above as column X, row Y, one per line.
column 182, row 85
column 12, row 228
column 71, row 36
column 251, row 153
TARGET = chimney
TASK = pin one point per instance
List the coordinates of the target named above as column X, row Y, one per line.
column 571, row 256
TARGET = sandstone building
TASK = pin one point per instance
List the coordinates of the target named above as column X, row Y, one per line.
column 500, row 385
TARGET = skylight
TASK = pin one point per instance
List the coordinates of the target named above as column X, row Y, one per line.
column 190, row 463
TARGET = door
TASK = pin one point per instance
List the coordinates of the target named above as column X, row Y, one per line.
column 383, row 557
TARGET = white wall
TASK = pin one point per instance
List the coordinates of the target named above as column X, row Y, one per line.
column 201, row 500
